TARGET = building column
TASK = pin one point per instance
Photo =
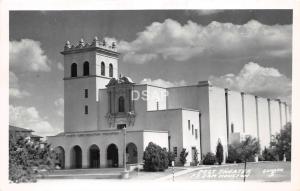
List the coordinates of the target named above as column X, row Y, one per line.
column 270, row 124
column 85, row 157
column 227, row 115
column 257, row 118
column 280, row 113
column 285, row 111
column 103, row 161
column 243, row 111
column 67, row 158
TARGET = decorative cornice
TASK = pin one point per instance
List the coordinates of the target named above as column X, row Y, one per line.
column 96, row 45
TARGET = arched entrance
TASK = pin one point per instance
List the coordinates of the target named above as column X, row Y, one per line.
column 131, row 153
column 60, row 157
column 94, row 156
column 112, row 156
column 76, row 157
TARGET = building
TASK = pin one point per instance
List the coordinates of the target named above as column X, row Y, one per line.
column 17, row 132
column 99, row 104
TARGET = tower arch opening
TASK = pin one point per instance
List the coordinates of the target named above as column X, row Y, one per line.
column 74, row 70
column 86, row 68
column 102, row 69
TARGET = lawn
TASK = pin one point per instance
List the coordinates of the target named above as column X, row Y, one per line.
column 261, row 171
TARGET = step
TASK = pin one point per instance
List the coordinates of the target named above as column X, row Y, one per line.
column 83, row 176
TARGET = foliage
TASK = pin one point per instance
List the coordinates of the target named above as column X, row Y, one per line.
column 182, row 156
column 220, row 153
column 281, row 143
column 171, row 157
column 195, row 157
column 28, row 160
column 233, row 156
column 155, row 158
column 269, row 154
column 209, row 159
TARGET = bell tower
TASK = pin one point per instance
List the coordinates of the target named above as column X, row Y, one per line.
column 87, row 68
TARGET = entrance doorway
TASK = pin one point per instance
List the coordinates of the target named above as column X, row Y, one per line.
column 94, row 156
column 112, row 156
column 76, row 157
column 131, row 153
column 60, row 157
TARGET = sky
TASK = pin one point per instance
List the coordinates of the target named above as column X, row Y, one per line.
column 244, row 50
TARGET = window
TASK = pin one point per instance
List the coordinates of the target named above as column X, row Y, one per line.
column 232, row 128
column 192, row 129
column 121, row 126
column 111, row 70
column 102, row 69
column 121, row 104
column 86, row 69
column 86, row 93
column 189, row 124
column 86, row 110
column 157, row 105
column 175, row 151
column 196, row 133
column 74, row 70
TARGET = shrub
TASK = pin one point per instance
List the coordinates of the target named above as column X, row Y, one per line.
column 220, row 153
column 195, row 158
column 155, row 158
column 171, row 157
column 209, row 159
column 27, row 159
column 269, row 155
column 233, row 156
column 282, row 142
column 182, row 156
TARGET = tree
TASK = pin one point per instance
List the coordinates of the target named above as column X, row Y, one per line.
column 155, row 158
column 171, row 157
column 182, row 156
column 281, row 142
column 220, row 153
column 27, row 159
column 195, row 157
column 247, row 149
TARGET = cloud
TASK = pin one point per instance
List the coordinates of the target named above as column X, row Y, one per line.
column 29, row 117
column 173, row 41
column 59, row 103
column 162, row 83
column 14, row 88
column 258, row 80
column 28, row 55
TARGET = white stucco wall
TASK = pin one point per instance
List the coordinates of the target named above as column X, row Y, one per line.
column 250, row 115
column 263, row 115
column 154, row 95
column 183, row 97
column 107, row 60
column 283, row 116
column 159, row 138
column 275, row 117
column 217, row 114
column 235, row 111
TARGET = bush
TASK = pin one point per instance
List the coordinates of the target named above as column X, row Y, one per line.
column 27, row 159
column 195, row 158
column 155, row 158
column 182, row 156
column 233, row 156
column 281, row 143
column 171, row 157
column 220, row 153
column 269, row 155
column 209, row 159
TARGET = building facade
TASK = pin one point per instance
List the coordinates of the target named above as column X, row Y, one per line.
column 108, row 117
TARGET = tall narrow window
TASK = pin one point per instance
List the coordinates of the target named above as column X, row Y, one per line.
column 196, row 133
column 102, row 69
column 189, row 124
column 192, row 129
column 175, row 151
column 86, row 69
column 74, row 70
column 157, row 105
column 86, row 109
column 111, row 70
column 232, row 128
column 86, row 93
column 121, row 104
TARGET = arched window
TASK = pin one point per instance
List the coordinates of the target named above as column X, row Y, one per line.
column 86, row 68
column 111, row 70
column 102, row 69
column 74, row 70
column 121, row 104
